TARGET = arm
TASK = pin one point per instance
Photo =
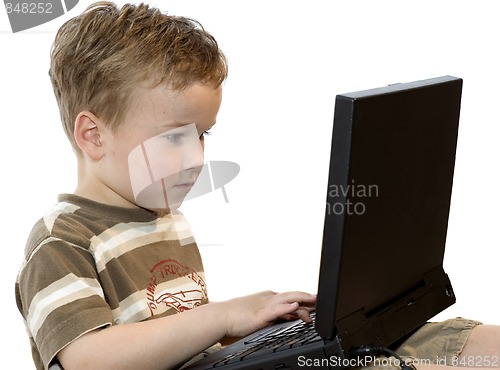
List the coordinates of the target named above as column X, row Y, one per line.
column 165, row 342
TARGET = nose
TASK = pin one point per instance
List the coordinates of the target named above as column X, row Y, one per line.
column 193, row 155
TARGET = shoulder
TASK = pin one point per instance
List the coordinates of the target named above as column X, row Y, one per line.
column 76, row 220
column 59, row 223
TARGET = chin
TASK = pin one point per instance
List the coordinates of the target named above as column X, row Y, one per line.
column 155, row 199
column 165, row 209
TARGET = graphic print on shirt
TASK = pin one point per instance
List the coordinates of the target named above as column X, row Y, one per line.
column 188, row 291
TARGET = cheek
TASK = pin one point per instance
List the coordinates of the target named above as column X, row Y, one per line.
column 120, row 162
column 164, row 163
column 150, row 164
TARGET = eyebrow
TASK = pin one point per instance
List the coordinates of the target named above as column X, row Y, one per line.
column 176, row 124
column 180, row 124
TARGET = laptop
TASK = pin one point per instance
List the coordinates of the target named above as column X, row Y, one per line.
column 387, row 205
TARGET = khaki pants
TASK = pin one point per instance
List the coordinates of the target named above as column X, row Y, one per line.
column 437, row 343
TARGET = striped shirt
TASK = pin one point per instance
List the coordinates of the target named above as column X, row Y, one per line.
column 90, row 265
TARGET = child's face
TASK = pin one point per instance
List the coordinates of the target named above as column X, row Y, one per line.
column 156, row 153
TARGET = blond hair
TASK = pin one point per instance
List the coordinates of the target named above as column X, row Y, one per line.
column 100, row 56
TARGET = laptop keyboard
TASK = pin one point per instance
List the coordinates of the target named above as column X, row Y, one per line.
column 274, row 340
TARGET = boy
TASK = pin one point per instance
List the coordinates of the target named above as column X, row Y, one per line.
column 137, row 91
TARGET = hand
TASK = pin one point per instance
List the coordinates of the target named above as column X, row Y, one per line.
column 250, row 313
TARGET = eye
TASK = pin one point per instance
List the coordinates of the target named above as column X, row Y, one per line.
column 175, row 138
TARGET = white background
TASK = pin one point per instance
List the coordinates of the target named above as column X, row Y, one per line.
column 288, row 60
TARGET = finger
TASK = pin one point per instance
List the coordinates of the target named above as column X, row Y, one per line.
column 305, row 299
column 276, row 311
column 304, row 313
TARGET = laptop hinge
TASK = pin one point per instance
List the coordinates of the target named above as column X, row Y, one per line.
column 386, row 324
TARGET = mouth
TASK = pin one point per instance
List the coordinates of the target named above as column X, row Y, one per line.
column 186, row 186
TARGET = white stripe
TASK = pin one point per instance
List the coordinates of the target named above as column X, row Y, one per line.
column 130, row 307
column 104, row 249
column 57, row 294
column 115, row 241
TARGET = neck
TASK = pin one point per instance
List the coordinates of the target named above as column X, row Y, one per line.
column 91, row 186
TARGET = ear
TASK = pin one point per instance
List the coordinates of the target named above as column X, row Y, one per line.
column 88, row 134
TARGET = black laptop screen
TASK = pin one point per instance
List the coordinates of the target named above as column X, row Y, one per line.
column 391, row 173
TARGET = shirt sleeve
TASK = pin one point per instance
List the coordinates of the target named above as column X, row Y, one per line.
column 61, row 297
